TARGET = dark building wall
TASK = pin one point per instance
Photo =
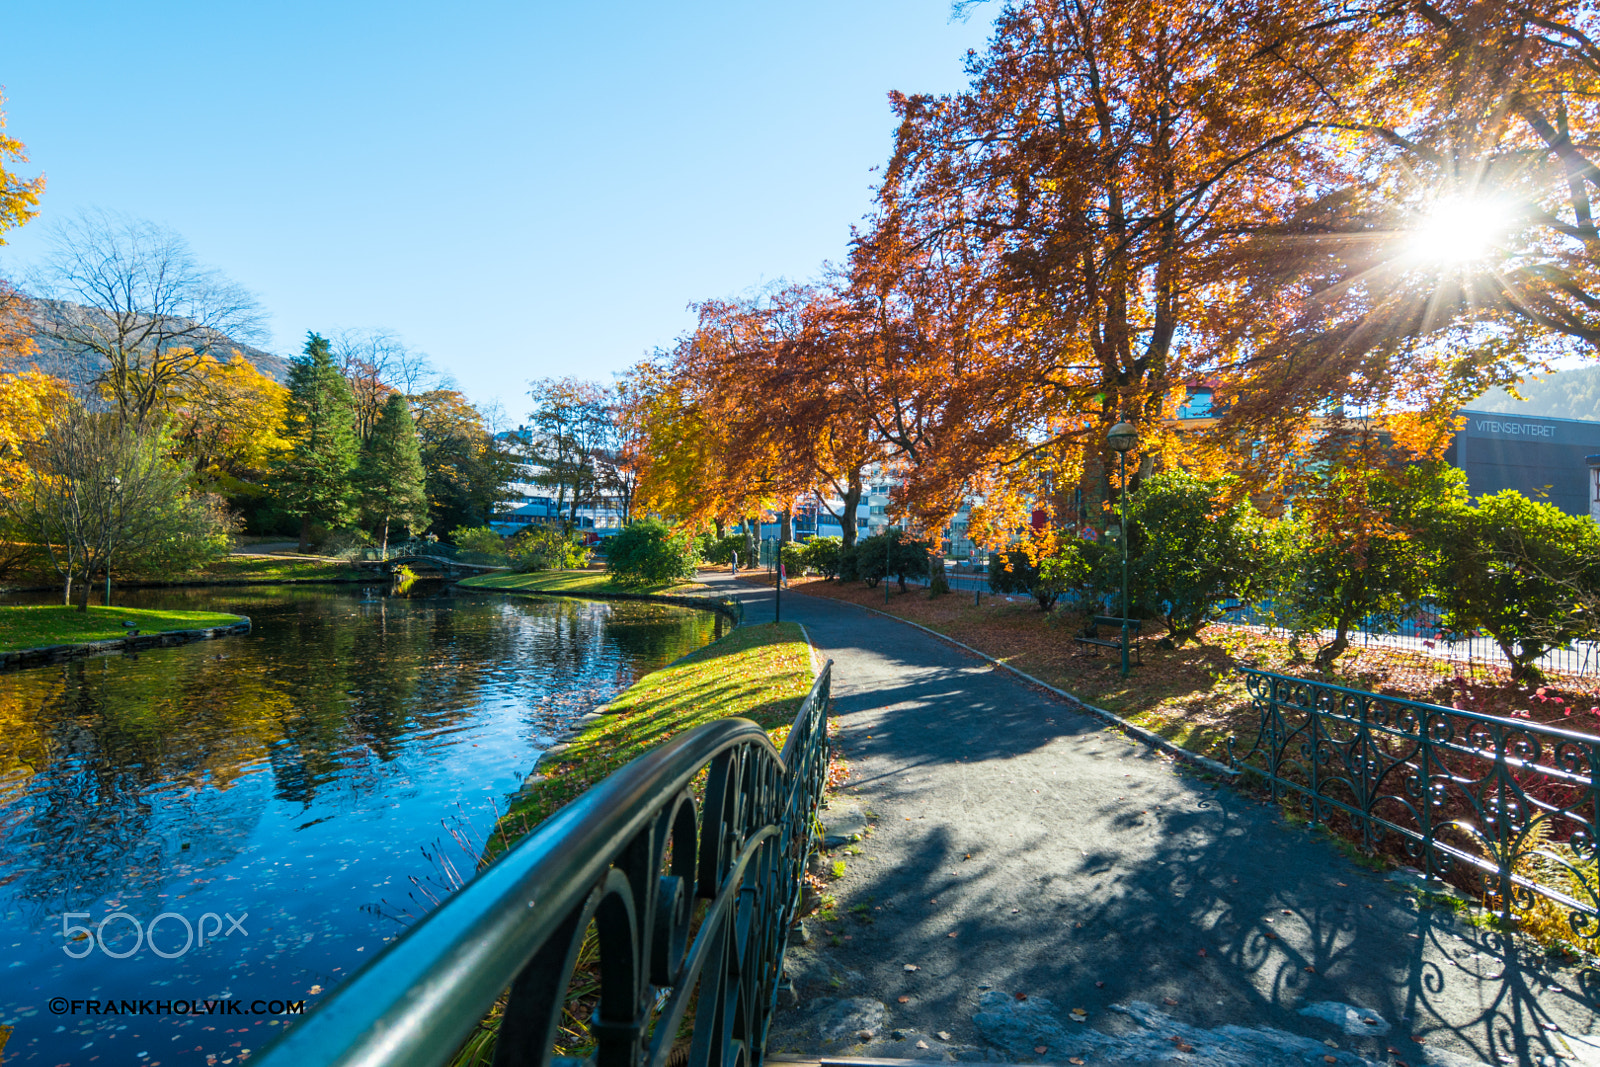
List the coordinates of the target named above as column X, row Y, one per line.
column 1545, row 459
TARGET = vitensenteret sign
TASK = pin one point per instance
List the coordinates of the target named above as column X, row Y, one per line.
column 1505, row 428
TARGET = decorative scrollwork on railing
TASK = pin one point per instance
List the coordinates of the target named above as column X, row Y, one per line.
column 691, row 903
column 1512, row 802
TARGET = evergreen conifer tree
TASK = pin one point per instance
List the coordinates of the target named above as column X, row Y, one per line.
column 313, row 480
column 389, row 479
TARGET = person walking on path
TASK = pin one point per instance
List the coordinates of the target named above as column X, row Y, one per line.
column 735, row 572
column 1033, row 886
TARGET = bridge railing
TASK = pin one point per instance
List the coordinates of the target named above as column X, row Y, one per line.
column 1510, row 807
column 691, row 897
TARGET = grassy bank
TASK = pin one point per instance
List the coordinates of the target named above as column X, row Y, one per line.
column 274, row 569
column 759, row 673
column 40, row 625
column 574, row 582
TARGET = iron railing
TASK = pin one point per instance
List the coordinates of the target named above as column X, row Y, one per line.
column 691, row 901
column 1508, row 806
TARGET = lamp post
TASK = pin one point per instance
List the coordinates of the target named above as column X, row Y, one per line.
column 1123, row 437
column 114, row 484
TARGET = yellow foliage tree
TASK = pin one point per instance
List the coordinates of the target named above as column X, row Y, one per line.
column 17, row 197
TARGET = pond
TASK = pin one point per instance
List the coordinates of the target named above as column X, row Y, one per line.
column 297, row 796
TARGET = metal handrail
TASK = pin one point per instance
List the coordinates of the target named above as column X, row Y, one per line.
column 1460, row 790
column 632, row 854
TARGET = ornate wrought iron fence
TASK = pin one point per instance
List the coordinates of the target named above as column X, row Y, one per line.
column 1511, row 802
column 691, row 903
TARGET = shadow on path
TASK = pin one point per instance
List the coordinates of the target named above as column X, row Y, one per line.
column 1021, row 847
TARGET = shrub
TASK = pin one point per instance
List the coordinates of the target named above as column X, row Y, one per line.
column 650, row 552
column 1194, row 550
column 1524, row 571
column 884, row 555
column 1044, row 574
column 480, row 539
column 548, row 548
column 721, row 549
column 822, row 555
column 1357, row 555
column 793, row 554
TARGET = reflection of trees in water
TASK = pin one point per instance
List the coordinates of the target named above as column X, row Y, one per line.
column 109, row 766
column 99, row 814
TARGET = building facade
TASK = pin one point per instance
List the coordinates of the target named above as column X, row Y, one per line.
column 1541, row 458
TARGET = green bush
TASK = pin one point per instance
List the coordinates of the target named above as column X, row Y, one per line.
column 720, row 550
column 1525, row 572
column 822, row 555
column 548, row 548
column 479, row 539
column 650, row 552
column 1369, row 559
column 1045, row 580
column 1193, row 551
column 890, row 554
column 793, row 554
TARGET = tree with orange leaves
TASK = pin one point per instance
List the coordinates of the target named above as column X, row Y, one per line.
column 18, row 197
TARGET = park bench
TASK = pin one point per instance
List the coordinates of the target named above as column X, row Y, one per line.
column 1091, row 634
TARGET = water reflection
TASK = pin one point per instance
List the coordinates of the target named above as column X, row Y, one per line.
column 294, row 774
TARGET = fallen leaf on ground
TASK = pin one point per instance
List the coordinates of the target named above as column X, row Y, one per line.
column 1168, row 1000
column 1183, row 1046
column 922, row 1044
column 1099, row 985
column 1074, row 1059
column 1022, row 996
column 952, row 933
column 912, row 967
column 1330, row 1059
column 943, row 1035
column 1079, row 1011
column 904, row 1000
column 1202, row 952
column 1041, row 1049
column 1311, row 970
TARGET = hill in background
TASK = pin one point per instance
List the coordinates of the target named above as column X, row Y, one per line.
column 1568, row 394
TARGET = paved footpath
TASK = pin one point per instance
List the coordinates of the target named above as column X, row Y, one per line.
column 1024, row 863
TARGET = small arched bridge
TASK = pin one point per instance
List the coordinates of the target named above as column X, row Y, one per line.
column 429, row 561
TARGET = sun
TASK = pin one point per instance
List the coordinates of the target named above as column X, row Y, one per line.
column 1458, row 230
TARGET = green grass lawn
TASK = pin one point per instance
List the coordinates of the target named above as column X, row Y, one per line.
column 572, row 582
column 759, row 673
column 270, row 569
column 55, row 624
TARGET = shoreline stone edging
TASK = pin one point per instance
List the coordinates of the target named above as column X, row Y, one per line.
column 47, row 654
column 1148, row 737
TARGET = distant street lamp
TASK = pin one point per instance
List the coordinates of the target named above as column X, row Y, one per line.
column 1123, row 437
column 114, row 485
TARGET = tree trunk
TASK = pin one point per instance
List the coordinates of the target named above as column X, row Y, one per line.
column 717, row 525
column 83, row 593
column 938, row 584
column 383, row 538
column 785, row 527
column 852, row 501
column 305, row 533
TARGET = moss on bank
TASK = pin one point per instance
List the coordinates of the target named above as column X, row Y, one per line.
column 36, row 626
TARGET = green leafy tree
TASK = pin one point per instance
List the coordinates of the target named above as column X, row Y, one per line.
column 467, row 468
column 1525, row 572
column 1194, row 550
column 313, row 479
column 389, row 480
column 650, row 552
column 99, row 492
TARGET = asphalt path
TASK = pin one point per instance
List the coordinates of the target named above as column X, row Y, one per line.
column 1021, row 853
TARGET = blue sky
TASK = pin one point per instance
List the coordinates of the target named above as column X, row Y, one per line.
column 518, row 189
